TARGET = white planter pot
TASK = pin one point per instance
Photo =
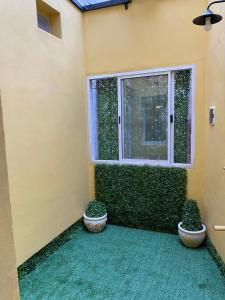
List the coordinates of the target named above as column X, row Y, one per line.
column 95, row 224
column 192, row 239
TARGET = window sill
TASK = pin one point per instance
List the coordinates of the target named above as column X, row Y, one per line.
column 49, row 34
column 142, row 163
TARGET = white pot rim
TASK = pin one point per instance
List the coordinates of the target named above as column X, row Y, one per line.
column 94, row 219
column 192, row 232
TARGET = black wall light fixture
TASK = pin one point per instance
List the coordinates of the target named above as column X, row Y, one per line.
column 208, row 18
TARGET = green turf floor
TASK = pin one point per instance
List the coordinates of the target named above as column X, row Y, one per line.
column 123, row 263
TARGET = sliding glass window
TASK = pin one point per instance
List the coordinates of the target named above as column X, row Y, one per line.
column 142, row 118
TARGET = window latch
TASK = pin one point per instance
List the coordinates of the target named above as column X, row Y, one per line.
column 171, row 118
column 119, row 120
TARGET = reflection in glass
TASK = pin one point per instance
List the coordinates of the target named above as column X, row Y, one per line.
column 145, row 117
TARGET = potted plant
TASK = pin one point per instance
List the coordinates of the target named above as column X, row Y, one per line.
column 191, row 230
column 95, row 216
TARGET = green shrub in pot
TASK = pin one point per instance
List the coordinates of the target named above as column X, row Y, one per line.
column 95, row 209
column 191, row 219
column 95, row 216
column 191, row 230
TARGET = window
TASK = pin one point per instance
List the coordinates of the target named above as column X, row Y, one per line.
column 48, row 18
column 44, row 23
column 142, row 118
column 144, row 115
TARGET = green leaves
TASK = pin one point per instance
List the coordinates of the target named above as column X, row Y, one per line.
column 142, row 196
column 182, row 121
column 191, row 216
column 215, row 255
column 96, row 209
column 107, row 116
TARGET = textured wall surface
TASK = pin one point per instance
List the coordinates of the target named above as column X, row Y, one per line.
column 214, row 195
column 8, row 275
column 43, row 87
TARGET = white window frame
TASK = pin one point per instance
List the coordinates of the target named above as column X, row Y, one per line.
column 142, row 73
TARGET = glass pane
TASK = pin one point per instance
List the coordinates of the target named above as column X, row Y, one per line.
column 182, row 117
column 145, row 117
column 90, row 2
column 105, row 117
column 44, row 23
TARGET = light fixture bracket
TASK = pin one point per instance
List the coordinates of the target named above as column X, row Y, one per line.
column 214, row 2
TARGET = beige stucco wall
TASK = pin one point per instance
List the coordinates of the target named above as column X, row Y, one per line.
column 42, row 80
column 214, row 195
column 8, row 275
column 147, row 35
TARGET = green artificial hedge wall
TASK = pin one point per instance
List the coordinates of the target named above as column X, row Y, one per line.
column 181, row 121
column 107, row 116
column 142, row 196
column 215, row 255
